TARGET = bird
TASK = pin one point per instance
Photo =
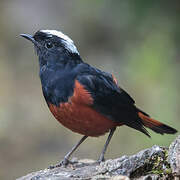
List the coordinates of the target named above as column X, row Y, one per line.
column 83, row 98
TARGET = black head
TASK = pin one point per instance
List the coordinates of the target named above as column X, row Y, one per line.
column 53, row 47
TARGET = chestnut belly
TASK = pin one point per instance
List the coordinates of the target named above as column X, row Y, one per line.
column 82, row 119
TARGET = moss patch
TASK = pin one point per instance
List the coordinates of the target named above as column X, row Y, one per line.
column 157, row 164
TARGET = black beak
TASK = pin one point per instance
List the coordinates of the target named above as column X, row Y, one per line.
column 28, row 37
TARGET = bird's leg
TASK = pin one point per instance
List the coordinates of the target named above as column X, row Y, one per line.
column 67, row 156
column 65, row 161
column 101, row 157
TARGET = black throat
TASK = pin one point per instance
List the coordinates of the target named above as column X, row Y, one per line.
column 58, row 77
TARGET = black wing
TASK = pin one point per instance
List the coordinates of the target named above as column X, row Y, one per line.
column 109, row 99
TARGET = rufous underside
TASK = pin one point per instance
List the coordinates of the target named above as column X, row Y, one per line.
column 78, row 115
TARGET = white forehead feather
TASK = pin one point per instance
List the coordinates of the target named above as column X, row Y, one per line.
column 68, row 42
column 58, row 34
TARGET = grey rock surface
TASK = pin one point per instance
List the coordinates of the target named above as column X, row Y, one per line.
column 156, row 163
column 127, row 165
column 149, row 177
column 174, row 156
column 133, row 166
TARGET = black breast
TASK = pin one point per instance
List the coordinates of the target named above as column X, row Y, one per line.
column 57, row 85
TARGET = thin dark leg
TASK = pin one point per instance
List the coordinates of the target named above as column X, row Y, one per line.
column 101, row 157
column 67, row 156
column 65, row 161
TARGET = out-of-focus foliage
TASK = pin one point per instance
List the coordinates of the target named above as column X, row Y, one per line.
column 136, row 40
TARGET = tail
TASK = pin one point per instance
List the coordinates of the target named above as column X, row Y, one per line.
column 155, row 125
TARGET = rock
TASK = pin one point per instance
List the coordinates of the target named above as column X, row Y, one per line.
column 150, row 164
column 119, row 178
column 133, row 165
column 143, row 163
column 149, row 177
column 174, row 156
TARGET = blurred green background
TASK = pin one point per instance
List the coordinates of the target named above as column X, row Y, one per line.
column 138, row 41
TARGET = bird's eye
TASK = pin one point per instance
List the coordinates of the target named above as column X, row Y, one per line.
column 49, row 45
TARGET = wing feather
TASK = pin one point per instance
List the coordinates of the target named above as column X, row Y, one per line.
column 109, row 99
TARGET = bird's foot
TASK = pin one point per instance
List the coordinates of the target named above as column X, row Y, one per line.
column 101, row 159
column 62, row 163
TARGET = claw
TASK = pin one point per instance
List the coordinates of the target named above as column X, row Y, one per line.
column 62, row 163
column 100, row 160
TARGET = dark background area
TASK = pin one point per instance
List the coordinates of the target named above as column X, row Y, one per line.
column 137, row 41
